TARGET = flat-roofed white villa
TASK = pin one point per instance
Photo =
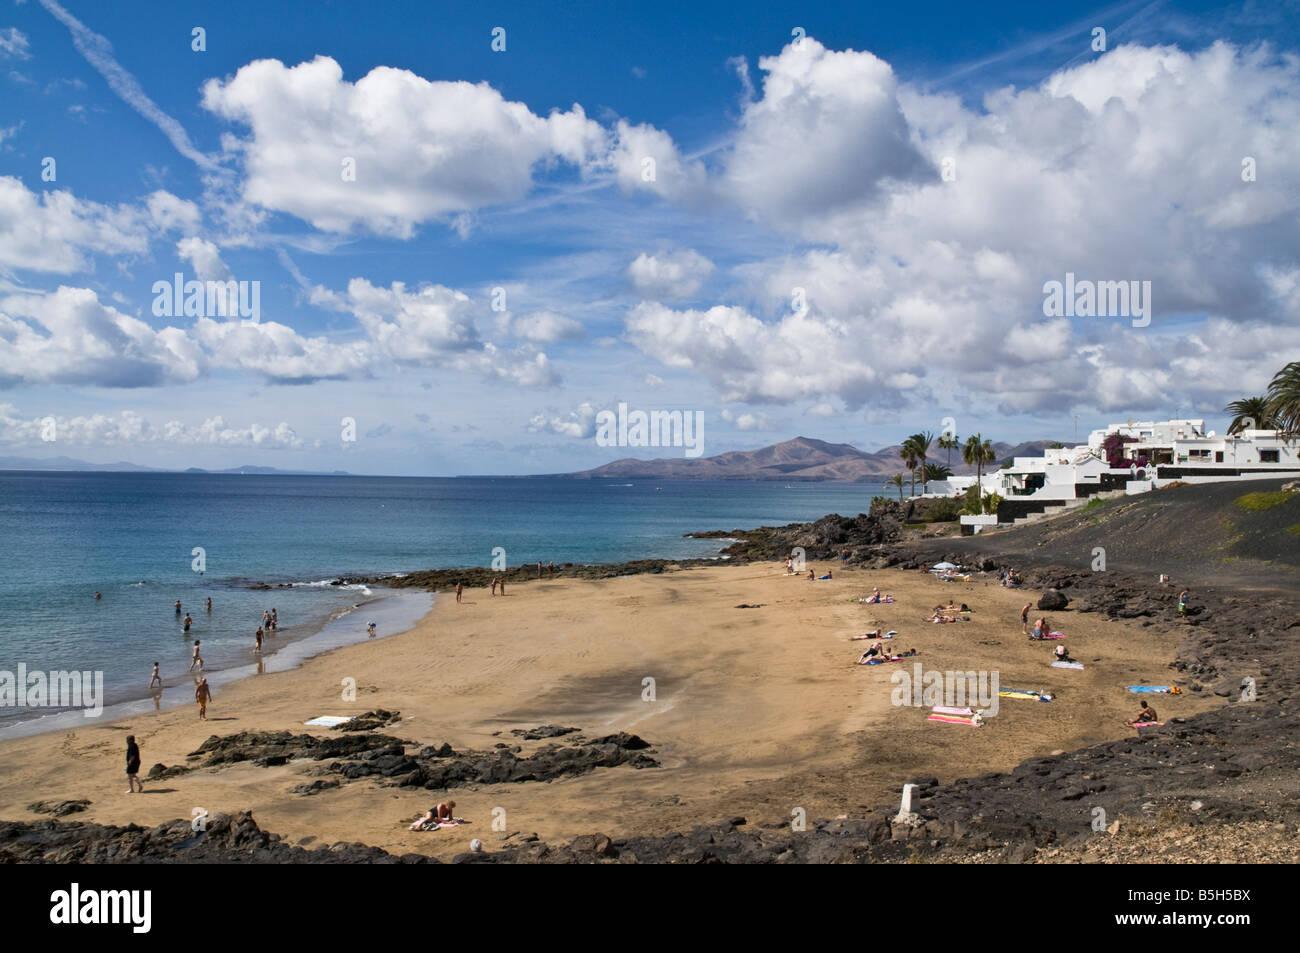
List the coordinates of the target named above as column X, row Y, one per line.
column 1153, row 454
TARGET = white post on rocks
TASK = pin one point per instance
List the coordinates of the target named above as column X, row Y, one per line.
column 905, row 809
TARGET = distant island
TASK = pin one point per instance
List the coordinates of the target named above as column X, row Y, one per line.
column 122, row 466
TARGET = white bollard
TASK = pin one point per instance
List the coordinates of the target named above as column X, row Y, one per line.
column 905, row 809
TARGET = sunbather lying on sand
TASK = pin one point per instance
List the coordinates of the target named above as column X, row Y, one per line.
column 940, row 617
column 873, row 634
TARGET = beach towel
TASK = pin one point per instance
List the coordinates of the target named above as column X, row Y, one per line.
column 1067, row 665
column 955, row 720
column 882, row 661
column 1027, row 693
column 1146, row 724
column 454, row 822
column 947, row 710
column 329, row 721
column 1155, row 689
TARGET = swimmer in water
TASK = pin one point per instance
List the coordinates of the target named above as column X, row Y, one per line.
column 209, row 603
column 188, row 622
column 178, row 607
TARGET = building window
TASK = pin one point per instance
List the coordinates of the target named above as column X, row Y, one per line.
column 1268, row 456
column 1218, row 456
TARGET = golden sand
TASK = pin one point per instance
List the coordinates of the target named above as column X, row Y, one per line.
column 755, row 712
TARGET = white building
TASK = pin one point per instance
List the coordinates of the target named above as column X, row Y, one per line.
column 1160, row 453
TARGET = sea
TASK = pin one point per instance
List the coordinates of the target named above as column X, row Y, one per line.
column 144, row 541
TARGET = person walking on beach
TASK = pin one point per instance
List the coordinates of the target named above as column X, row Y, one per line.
column 459, row 590
column 197, row 660
column 203, row 695
column 132, row 765
column 275, row 620
column 156, row 679
column 1024, row 618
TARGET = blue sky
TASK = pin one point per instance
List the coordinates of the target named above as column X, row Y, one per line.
column 793, row 148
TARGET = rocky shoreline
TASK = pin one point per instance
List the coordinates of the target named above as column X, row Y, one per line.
column 1234, row 766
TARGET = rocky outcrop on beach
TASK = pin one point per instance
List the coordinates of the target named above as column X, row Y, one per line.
column 434, row 767
column 223, row 839
column 379, row 718
column 438, row 768
column 58, row 808
column 863, row 536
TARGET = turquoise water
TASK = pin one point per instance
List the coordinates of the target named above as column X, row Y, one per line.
column 131, row 537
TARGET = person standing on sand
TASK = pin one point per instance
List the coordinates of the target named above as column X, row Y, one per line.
column 460, row 589
column 494, row 585
column 503, row 585
column 203, row 695
column 1024, row 618
column 156, row 677
column 539, row 569
column 197, row 660
column 132, row 765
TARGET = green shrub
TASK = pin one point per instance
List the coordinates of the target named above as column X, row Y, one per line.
column 942, row 510
column 1256, row 502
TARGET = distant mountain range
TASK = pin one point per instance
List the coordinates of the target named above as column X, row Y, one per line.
column 69, row 463
column 801, row 459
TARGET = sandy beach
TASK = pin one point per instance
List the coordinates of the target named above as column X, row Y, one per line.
column 755, row 711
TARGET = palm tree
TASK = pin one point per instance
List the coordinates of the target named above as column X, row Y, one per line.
column 907, row 453
column 936, row 471
column 922, row 442
column 1249, row 413
column 976, row 452
column 1284, row 398
column 897, row 480
column 948, row 441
